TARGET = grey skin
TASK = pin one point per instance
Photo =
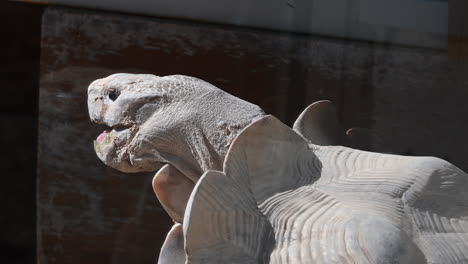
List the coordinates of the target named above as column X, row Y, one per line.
column 177, row 120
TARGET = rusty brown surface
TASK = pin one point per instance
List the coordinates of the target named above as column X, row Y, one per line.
column 458, row 31
column 88, row 213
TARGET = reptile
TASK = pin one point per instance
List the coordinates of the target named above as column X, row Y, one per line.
column 242, row 187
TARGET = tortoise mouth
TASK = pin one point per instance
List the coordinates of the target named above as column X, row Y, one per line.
column 109, row 129
column 102, row 135
column 112, row 145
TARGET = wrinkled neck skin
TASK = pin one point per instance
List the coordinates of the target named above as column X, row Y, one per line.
column 200, row 141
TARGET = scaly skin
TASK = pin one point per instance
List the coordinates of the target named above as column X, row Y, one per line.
column 176, row 120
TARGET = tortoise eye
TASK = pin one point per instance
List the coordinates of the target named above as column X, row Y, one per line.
column 113, row 94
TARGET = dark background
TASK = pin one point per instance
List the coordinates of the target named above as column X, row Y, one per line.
column 20, row 26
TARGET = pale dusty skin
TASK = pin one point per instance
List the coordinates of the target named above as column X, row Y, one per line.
column 242, row 187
